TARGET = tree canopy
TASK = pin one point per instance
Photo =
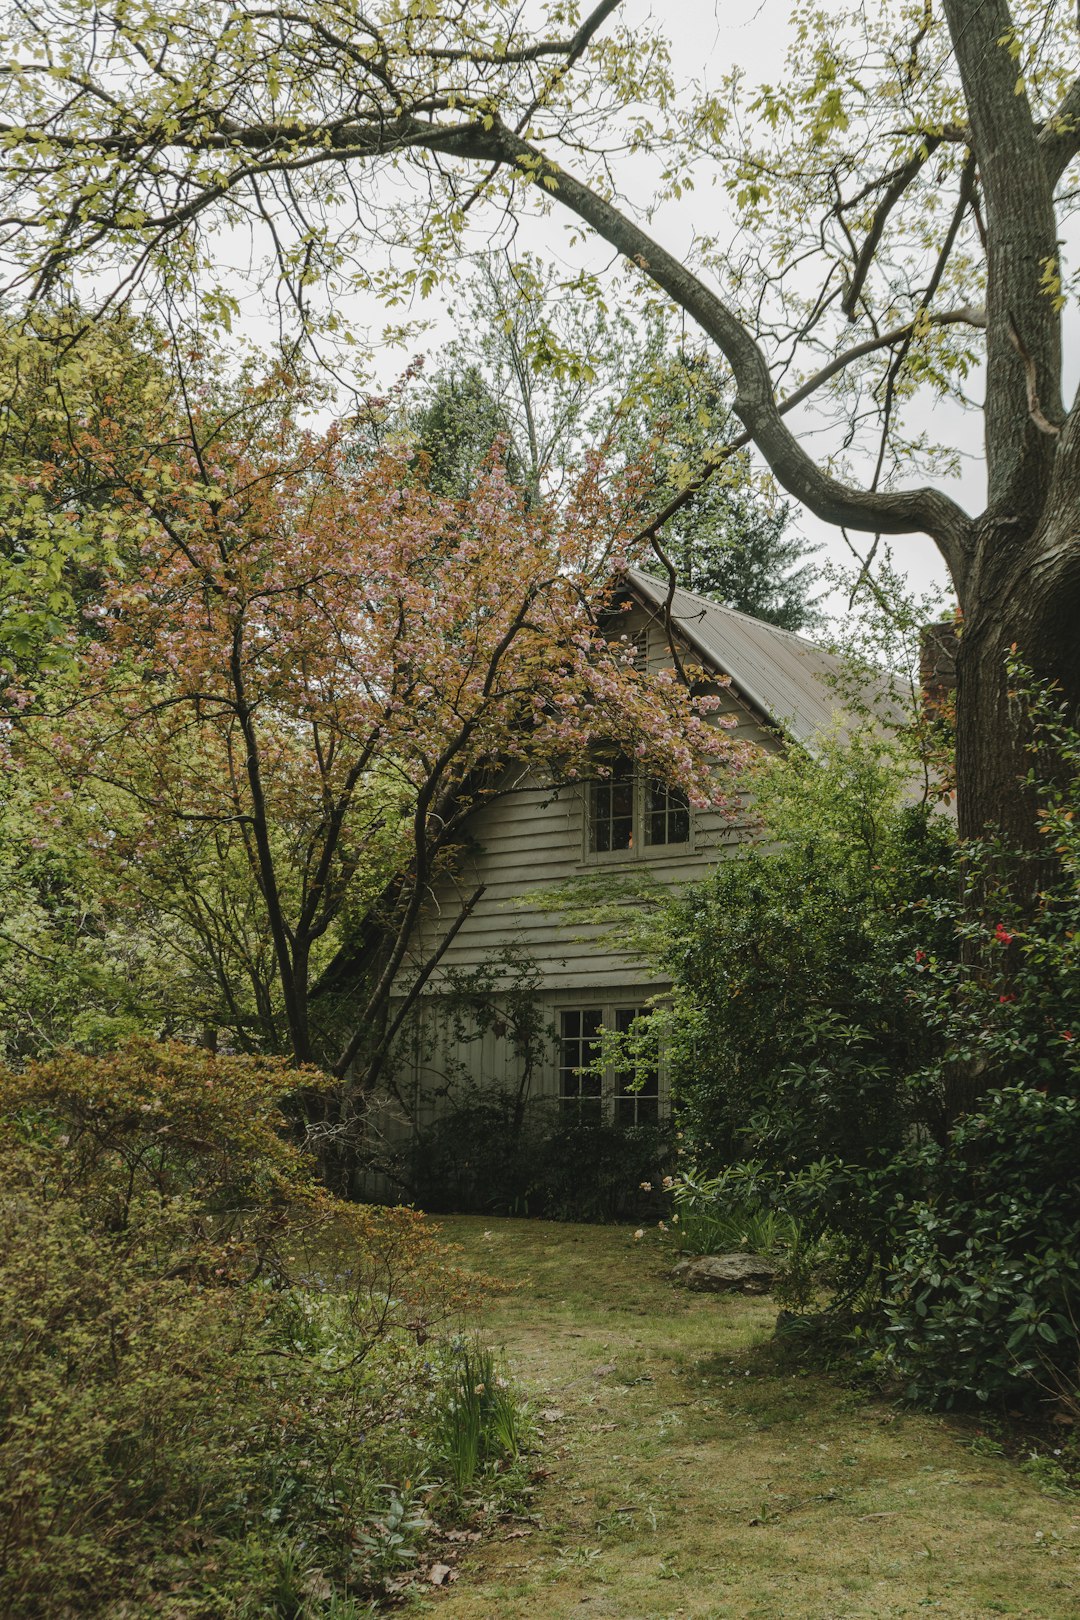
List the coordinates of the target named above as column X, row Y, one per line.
column 901, row 187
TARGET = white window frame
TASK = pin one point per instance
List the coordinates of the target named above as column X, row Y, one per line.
column 640, row 848
column 610, row 1095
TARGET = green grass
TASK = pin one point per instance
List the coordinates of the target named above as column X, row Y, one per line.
column 689, row 1471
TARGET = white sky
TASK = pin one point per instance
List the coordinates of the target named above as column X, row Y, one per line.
column 707, row 38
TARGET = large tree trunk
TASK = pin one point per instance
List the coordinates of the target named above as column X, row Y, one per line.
column 1022, row 595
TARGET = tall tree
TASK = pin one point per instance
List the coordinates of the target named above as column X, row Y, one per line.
column 732, row 539
column 917, row 158
column 547, row 373
column 318, row 668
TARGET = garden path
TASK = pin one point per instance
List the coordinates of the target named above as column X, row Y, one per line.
column 694, row 1476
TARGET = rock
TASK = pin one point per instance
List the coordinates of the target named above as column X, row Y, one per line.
column 726, row 1273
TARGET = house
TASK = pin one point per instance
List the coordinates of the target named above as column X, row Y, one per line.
column 618, row 834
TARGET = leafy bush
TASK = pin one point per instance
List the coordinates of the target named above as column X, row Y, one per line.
column 494, row 1156
column 983, row 1298
column 889, row 1030
column 212, row 1378
column 714, row 1214
column 794, row 1028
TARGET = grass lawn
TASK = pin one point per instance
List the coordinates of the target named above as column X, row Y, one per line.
column 693, row 1474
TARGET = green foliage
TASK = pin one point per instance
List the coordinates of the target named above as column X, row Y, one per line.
column 457, row 428
column 732, row 542
column 793, row 971
column 982, row 1299
column 492, row 1154
column 213, row 1396
column 717, row 1214
column 885, row 1026
column 60, row 376
column 479, row 1422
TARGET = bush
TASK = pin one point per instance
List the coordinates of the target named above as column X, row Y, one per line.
column 794, row 1029
column 983, row 1298
column 491, row 1156
column 212, row 1380
column 889, row 1030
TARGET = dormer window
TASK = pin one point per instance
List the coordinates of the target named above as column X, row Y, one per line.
column 612, row 809
column 631, row 815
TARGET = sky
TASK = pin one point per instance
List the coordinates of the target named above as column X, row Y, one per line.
column 707, row 38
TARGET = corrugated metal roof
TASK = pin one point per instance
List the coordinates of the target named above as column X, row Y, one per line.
column 788, row 679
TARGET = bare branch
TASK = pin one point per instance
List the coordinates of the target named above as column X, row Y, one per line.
column 926, row 511
column 966, row 314
column 904, row 177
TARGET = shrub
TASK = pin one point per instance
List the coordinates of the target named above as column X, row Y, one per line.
column 890, row 1030
column 793, row 1029
column 983, row 1297
column 494, row 1156
column 211, row 1373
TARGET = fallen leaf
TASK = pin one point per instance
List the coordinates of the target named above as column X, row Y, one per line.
column 441, row 1574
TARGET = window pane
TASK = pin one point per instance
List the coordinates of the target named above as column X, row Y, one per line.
column 679, row 824
column 578, row 1047
column 634, row 1104
column 611, row 809
column 622, row 798
column 668, row 818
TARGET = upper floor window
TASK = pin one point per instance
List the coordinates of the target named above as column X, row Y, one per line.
column 667, row 815
column 611, row 824
column 628, row 813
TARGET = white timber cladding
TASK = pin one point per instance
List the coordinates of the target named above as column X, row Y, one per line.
column 533, row 838
column 440, row 1058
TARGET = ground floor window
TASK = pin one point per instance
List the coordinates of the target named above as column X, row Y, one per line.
column 589, row 1095
column 636, row 1093
column 581, row 1091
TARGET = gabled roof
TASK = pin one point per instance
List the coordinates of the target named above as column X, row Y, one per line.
column 789, row 680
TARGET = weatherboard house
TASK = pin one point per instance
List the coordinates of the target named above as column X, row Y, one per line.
column 536, row 840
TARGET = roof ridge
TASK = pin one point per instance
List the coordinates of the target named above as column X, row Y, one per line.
column 707, row 603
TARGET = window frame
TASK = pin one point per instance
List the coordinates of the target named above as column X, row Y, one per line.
column 643, row 814
column 611, row 1092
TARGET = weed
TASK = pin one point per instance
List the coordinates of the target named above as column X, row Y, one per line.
column 481, row 1421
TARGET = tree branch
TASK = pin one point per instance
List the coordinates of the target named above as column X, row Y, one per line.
column 952, row 317
column 903, row 178
column 1059, row 138
column 927, row 511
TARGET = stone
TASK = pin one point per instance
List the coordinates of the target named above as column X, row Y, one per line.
column 738, row 1273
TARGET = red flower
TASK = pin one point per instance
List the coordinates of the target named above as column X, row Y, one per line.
column 1002, row 935
column 920, row 956
column 1066, row 1035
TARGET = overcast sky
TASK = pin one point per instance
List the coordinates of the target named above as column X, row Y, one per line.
column 707, row 39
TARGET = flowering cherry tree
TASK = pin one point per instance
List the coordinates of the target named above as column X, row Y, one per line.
column 318, row 669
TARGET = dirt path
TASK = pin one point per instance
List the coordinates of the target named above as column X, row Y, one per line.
column 690, row 1476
